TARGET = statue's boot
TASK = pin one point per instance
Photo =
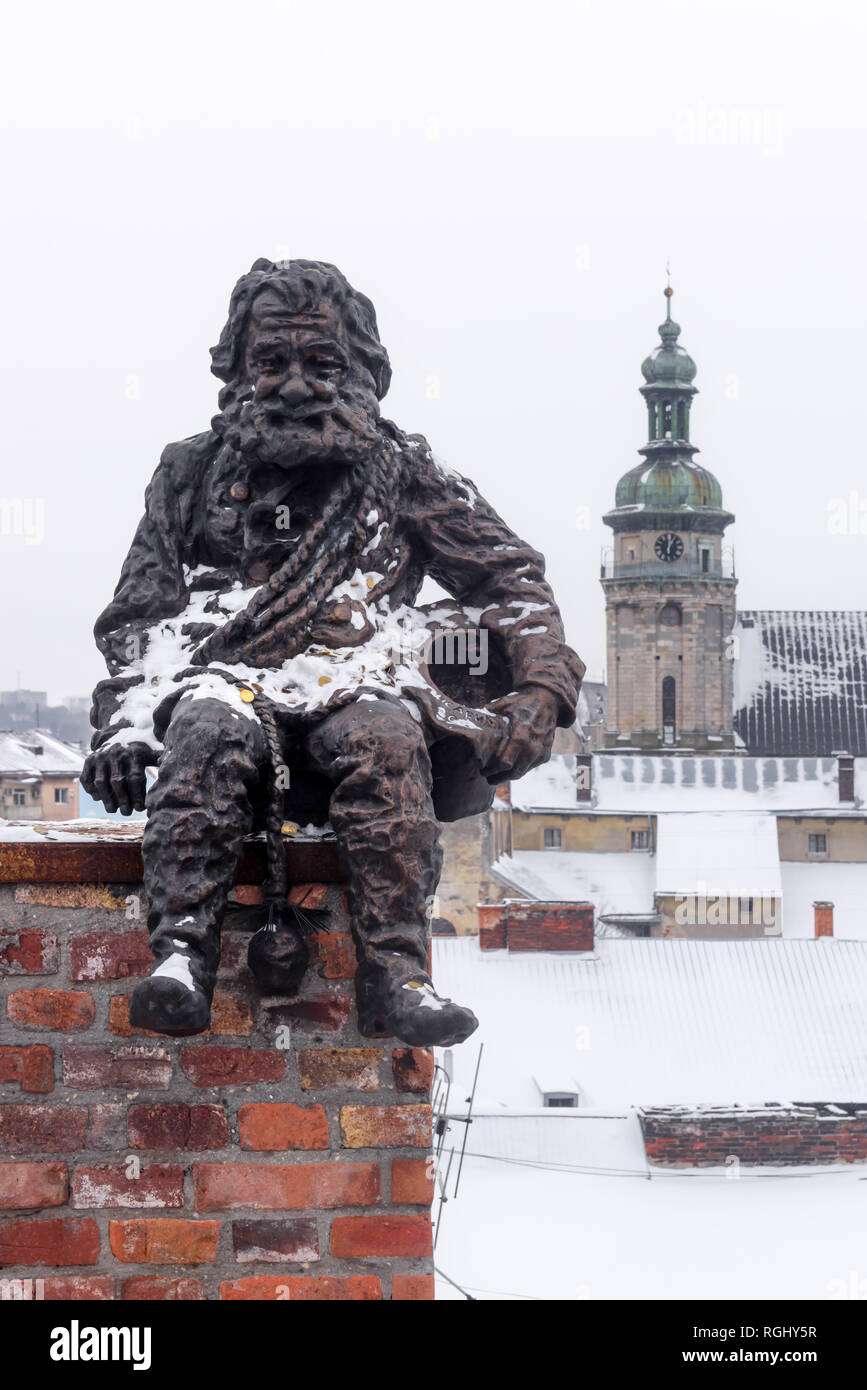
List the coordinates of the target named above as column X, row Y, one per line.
column 176, row 997
column 388, row 837
column 402, row 1002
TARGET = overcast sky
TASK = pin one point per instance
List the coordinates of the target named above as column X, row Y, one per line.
column 506, row 182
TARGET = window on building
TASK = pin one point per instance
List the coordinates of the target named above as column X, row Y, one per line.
column 846, row 779
column 61, row 796
column 639, row 839
column 552, row 839
column 565, row 1102
column 670, row 615
column 817, row 844
column 669, row 701
column 19, row 797
column 704, row 559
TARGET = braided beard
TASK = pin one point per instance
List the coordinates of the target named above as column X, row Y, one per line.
column 273, row 626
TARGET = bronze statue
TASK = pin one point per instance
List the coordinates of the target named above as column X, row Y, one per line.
column 266, row 655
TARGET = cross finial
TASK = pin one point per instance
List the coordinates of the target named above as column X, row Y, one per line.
column 668, row 291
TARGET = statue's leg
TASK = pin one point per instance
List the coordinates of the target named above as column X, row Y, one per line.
column 199, row 811
column 388, row 836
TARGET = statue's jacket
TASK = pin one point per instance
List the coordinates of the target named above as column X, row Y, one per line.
column 204, row 546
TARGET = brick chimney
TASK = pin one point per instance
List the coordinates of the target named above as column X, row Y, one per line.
column 823, row 918
column 524, row 925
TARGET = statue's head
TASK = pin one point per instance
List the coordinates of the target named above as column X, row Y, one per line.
column 303, row 366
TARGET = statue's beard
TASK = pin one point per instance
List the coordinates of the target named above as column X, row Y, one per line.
column 338, row 432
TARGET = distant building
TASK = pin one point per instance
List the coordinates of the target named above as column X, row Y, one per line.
column 38, row 776
column 21, row 710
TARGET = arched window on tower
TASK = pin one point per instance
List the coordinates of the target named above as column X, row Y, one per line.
column 670, row 615
column 666, row 420
column 668, row 709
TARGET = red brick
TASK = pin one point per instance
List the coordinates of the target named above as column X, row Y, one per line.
column 351, row 1068
column 271, row 1187
column 281, row 1125
column 65, row 1010
column 413, row 1069
column 164, row 1242
column 32, row 1067
column 412, row 1181
column 150, row 1288
column 247, row 894
column 75, row 895
column 109, row 955
column 310, row 895
column 108, row 1126
column 53, row 1242
column 381, row 1235
column 230, row 1017
column 196, row 1127
column 62, row 1288
column 335, row 953
column 549, row 926
column 32, row 1185
column 37, row 1129
column 135, row 1068
column 28, row 951
column 294, row 1240
column 325, row 1012
column 414, row 1288
column 492, row 926
column 280, row 1286
column 385, row 1126
column 231, row 1066
column 233, row 953
column 158, row 1185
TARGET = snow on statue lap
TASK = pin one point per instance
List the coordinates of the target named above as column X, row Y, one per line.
column 265, row 651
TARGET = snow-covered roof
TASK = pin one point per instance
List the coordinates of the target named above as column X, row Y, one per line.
column 729, row 854
column 648, row 783
column 32, row 751
column 800, row 681
column 652, row 1021
column 613, row 883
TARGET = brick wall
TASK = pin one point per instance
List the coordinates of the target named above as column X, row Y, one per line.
column 535, row 926
column 778, row 1135
column 279, row 1156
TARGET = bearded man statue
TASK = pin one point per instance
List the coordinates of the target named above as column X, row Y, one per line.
column 265, row 654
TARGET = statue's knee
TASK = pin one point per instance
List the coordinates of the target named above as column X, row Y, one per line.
column 201, row 728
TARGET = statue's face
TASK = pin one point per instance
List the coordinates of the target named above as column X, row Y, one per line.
column 312, row 401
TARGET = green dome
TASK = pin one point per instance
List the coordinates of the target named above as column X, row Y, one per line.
column 669, row 364
column 667, row 485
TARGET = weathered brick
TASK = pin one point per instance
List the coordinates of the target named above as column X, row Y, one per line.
column 300, row 1290
column 57, row 1241
column 32, row 1185
column 37, row 1129
column 158, row 1185
column 325, row 1012
column 357, row 1237
column 353, row 1068
column 164, row 1242
column 63, row 1288
column 32, row 1067
column 233, row 953
column 275, row 1242
column 414, row 1288
column 413, row 1069
column 280, row 1125
column 385, row 1126
column 136, row 1068
column 231, row 1066
column 196, row 1127
column 108, row 1125
column 230, row 1017
column 335, row 953
column 271, row 1187
column 67, row 1011
column 109, row 955
column 28, row 951
column 310, row 895
column 92, row 895
column 150, row 1288
column 412, row 1181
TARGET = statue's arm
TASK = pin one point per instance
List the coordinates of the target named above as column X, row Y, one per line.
column 473, row 554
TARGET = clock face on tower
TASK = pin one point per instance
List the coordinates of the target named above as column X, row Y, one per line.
column 668, row 546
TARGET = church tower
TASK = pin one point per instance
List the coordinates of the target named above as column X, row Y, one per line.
column 669, row 587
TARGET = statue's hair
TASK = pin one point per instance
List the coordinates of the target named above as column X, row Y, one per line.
column 304, row 285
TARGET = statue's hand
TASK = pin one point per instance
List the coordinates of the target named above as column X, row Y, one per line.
column 115, row 775
column 532, row 722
